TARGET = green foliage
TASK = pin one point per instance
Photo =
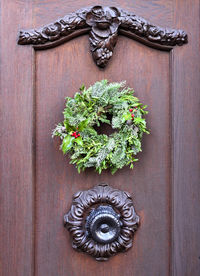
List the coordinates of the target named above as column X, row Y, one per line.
column 89, row 108
column 67, row 143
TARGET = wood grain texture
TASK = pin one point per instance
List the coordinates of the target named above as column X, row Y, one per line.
column 16, row 164
column 186, row 141
column 145, row 70
column 57, row 181
column 157, row 11
column 165, row 187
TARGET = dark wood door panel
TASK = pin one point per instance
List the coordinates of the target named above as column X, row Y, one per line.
column 59, row 73
column 16, row 163
column 37, row 182
column 186, row 143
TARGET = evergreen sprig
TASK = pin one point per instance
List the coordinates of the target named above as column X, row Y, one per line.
column 91, row 107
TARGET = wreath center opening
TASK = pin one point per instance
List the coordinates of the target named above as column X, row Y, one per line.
column 105, row 128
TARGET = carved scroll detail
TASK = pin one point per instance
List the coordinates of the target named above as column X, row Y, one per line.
column 156, row 34
column 83, row 202
column 103, row 25
column 55, row 31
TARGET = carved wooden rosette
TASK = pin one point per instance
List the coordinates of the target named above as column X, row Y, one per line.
column 83, row 203
column 103, row 25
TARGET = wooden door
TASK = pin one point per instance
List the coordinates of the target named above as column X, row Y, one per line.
column 37, row 182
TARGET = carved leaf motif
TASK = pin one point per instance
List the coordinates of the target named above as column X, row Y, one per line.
column 103, row 25
column 54, row 31
column 141, row 27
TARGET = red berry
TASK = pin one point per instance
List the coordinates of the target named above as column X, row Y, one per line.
column 132, row 115
column 131, row 110
column 79, row 135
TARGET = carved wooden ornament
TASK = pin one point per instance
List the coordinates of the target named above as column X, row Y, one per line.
column 103, row 25
column 102, row 221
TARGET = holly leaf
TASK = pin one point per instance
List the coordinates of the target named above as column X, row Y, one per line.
column 79, row 141
column 127, row 116
column 67, row 126
column 83, row 125
column 82, row 87
column 67, row 143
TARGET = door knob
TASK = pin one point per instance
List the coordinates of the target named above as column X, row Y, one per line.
column 103, row 224
column 102, row 221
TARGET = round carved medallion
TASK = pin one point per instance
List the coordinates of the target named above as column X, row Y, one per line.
column 102, row 221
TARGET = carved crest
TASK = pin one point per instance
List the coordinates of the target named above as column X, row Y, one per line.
column 103, row 25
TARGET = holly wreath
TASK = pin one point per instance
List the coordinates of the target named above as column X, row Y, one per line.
column 104, row 102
